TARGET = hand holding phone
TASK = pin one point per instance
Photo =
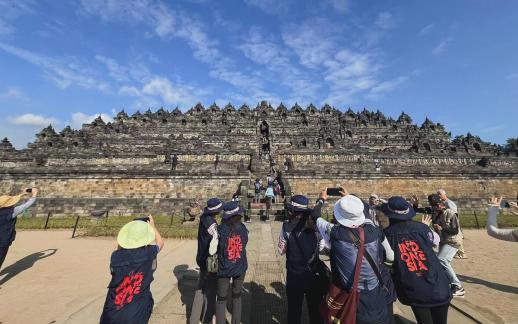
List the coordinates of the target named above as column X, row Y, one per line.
column 337, row 192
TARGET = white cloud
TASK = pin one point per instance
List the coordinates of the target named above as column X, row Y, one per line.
column 13, row 93
column 385, row 87
column 117, row 72
column 10, row 11
column 79, row 118
column 62, row 72
column 5, row 28
column 426, row 30
column 339, row 5
column 129, row 91
column 276, row 7
column 441, row 47
column 169, row 93
column 385, row 20
column 32, row 120
column 312, row 41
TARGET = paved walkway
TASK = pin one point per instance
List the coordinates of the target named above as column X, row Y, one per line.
column 50, row 278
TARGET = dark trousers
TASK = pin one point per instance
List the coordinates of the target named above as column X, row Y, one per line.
column 431, row 315
column 221, row 305
column 295, row 294
column 204, row 304
column 3, row 254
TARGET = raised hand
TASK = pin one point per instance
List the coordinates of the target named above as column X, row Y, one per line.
column 427, row 220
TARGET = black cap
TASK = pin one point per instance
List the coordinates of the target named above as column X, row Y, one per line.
column 434, row 200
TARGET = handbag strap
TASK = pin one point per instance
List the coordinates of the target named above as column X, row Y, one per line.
column 368, row 256
column 359, row 242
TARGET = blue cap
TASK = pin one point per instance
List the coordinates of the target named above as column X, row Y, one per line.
column 232, row 208
column 298, row 203
column 214, row 206
column 398, row 208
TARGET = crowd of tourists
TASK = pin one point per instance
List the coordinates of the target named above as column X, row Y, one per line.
column 377, row 251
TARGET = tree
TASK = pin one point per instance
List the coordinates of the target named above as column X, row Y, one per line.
column 511, row 146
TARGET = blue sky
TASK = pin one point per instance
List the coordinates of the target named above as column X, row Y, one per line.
column 64, row 62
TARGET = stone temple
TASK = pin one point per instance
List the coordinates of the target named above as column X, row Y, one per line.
column 159, row 161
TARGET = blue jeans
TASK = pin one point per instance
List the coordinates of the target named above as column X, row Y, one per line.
column 446, row 254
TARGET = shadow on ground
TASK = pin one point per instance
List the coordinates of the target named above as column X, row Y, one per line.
column 24, row 264
column 187, row 285
column 489, row 284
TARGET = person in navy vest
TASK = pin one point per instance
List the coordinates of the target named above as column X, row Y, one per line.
column 420, row 280
column 233, row 237
column 204, row 304
column 9, row 215
column 349, row 215
column 129, row 299
column 300, row 243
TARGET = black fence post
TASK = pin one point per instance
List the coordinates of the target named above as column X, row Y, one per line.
column 106, row 220
column 47, row 220
column 172, row 217
column 75, row 227
column 476, row 219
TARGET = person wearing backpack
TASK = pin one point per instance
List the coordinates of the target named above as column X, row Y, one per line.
column 306, row 275
column 257, row 191
column 232, row 261
column 204, row 304
column 420, row 280
column 129, row 299
column 357, row 293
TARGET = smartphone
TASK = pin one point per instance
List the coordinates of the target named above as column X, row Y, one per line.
column 144, row 219
column 29, row 190
column 334, row 191
column 504, row 204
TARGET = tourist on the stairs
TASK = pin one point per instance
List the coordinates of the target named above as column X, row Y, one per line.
column 129, row 299
column 305, row 273
column 269, row 194
column 204, row 304
column 420, row 280
column 232, row 261
column 8, row 217
column 351, row 238
column 257, row 191
column 510, row 235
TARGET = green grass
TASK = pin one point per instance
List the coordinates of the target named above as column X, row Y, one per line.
column 100, row 227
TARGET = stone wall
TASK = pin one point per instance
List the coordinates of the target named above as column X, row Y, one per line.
column 123, row 196
column 469, row 193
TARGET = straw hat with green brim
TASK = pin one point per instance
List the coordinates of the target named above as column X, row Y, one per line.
column 136, row 234
column 9, row 201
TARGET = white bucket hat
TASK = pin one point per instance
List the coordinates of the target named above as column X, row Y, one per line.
column 348, row 211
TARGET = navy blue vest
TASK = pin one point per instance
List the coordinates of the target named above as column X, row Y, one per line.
column 204, row 239
column 419, row 278
column 372, row 307
column 7, row 226
column 129, row 298
column 232, row 250
column 298, row 255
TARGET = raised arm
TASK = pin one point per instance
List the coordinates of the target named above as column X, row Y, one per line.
column 23, row 207
column 510, row 235
column 158, row 238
